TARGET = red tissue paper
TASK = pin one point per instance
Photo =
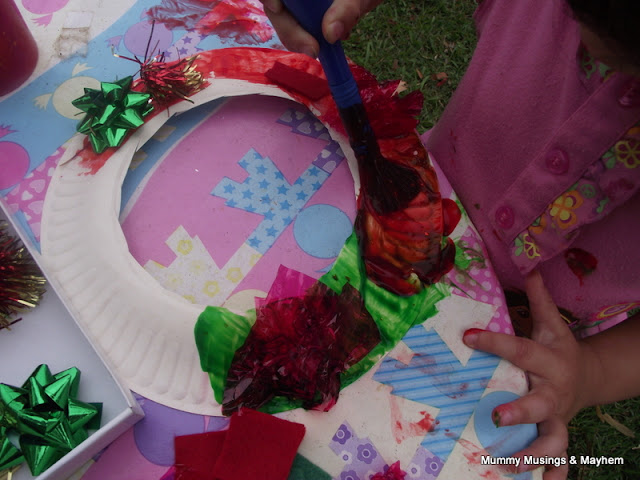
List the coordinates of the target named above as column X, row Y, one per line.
column 256, row 446
column 298, row 347
column 394, row 472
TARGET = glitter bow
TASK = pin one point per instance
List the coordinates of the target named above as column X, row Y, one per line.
column 171, row 81
column 47, row 417
column 111, row 112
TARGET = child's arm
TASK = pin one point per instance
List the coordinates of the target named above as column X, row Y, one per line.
column 565, row 375
column 337, row 24
column 618, row 354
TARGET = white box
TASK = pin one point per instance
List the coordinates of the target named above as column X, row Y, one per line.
column 48, row 334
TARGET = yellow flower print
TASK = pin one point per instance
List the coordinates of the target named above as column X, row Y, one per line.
column 562, row 210
column 525, row 244
column 628, row 153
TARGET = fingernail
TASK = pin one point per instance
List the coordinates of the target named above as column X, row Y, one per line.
column 335, row 30
column 470, row 336
column 501, row 417
column 307, row 50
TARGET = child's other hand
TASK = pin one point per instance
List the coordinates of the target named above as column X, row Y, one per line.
column 337, row 23
column 556, row 364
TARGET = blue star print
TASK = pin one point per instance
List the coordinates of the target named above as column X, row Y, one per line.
column 266, row 192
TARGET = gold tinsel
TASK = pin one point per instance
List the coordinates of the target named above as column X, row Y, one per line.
column 21, row 282
column 8, row 474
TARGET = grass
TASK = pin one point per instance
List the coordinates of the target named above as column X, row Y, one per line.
column 418, row 42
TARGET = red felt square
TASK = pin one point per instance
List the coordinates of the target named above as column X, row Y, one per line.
column 196, row 455
column 301, row 82
column 258, row 446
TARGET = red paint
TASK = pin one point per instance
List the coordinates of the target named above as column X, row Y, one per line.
column 392, row 473
column 240, row 21
column 502, row 415
column 451, row 216
column 178, row 14
column 474, row 455
column 298, row 347
column 91, row 160
column 403, row 429
column 407, row 241
column 581, row 263
column 394, row 246
column 473, row 331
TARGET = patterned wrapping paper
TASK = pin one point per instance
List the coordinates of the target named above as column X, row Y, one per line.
column 201, row 172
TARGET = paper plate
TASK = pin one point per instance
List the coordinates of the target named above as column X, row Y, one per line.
column 144, row 330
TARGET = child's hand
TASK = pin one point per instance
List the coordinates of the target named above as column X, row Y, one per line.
column 557, row 365
column 337, row 24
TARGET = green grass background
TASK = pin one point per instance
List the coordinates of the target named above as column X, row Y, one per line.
column 415, row 41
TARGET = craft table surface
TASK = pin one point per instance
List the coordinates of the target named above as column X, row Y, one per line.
column 179, row 236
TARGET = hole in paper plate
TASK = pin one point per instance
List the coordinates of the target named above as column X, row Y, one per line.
column 210, row 202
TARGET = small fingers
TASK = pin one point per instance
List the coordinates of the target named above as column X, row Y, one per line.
column 534, row 407
column 291, row 34
column 551, row 445
column 522, row 352
column 343, row 15
column 547, row 321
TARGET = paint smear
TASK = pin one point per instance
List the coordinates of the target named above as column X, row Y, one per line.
column 403, row 429
column 474, row 455
column 243, row 22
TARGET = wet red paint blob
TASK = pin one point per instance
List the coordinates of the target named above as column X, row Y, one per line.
column 298, row 347
column 403, row 429
column 405, row 248
column 581, row 263
column 239, row 21
column 394, row 472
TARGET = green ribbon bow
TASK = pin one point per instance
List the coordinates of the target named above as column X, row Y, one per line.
column 111, row 112
column 46, row 417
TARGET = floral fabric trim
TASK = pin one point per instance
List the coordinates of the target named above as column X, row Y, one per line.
column 606, row 184
column 590, row 68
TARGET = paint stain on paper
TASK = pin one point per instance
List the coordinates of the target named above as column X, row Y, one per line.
column 403, row 429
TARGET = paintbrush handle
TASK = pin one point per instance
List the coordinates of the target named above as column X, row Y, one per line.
column 343, row 86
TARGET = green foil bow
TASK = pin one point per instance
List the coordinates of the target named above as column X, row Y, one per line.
column 46, row 418
column 111, row 112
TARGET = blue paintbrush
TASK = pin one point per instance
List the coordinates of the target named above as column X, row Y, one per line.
column 399, row 184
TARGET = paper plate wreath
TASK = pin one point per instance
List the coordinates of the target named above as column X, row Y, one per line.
column 147, row 332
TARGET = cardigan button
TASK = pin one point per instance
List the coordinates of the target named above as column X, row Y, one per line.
column 557, row 161
column 505, row 217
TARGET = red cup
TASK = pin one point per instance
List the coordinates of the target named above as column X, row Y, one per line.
column 18, row 49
